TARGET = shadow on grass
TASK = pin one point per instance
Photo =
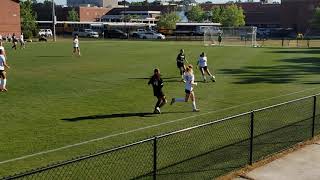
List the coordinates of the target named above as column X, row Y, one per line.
column 53, row 56
column 120, row 115
column 293, row 71
column 147, row 78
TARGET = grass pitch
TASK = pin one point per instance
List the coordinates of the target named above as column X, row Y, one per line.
column 56, row 100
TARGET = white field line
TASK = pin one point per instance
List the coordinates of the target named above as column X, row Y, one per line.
column 143, row 128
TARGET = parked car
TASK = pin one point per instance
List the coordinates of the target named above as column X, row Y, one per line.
column 151, row 35
column 136, row 34
column 115, row 33
column 86, row 33
column 45, row 32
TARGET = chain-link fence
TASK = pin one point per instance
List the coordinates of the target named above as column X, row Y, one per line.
column 201, row 152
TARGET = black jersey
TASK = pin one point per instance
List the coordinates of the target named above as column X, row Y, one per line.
column 157, row 85
column 181, row 58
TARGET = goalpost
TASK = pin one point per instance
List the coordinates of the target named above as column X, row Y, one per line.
column 230, row 36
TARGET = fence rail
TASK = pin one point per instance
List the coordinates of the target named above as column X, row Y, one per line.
column 207, row 150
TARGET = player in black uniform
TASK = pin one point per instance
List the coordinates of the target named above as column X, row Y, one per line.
column 181, row 58
column 157, row 84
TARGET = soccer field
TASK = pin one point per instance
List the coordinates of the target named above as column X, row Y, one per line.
column 59, row 106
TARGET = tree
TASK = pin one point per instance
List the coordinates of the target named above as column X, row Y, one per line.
column 168, row 21
column 196, row 14
column 232, row 16
column 315, row 22
column 73, row 15
column 28, row 19
column 217, row 14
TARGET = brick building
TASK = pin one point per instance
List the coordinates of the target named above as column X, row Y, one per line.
column 85, row 13
column 297, row 14
column 10, row 17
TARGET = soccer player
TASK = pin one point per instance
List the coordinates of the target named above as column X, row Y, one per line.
column 181, row 58
column 76, row 48
column 14, row 41
column 2, row 48
column 189, row 78
column 220, row 39
column 22, row 43
column 3, row 77
column 203, row 67
column 157, row 84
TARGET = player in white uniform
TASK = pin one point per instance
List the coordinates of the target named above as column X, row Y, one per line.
column 203, row 66
column 2, row 48
column 22, row 43
column 189, row 78
column 3, row 77
column 76, row 48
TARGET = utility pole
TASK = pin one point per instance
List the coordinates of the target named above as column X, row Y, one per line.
column 54, row 21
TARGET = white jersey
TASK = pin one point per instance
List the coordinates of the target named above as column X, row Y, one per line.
column 76, row 43
column 189, row 78
column 203, row 61
column 21, row 38
column 2, row 61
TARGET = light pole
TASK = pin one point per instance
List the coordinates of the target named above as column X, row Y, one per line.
column 54, row 21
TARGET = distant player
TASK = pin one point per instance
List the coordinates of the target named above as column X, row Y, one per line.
column 2, row 48
column 203, row 67
column 189, row 78
column 14, row 41
column 157, row 84
column 220, row 39
column 3, row 77
column 181, row 58
column 22, row 43
column 76, row 48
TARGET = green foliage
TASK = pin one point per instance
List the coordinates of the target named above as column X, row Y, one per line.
column 196, row 14
column 168, row 21
column 316, row 18
column 73, row 15
column 216, row 14
column 232, row 16
column 28, row 19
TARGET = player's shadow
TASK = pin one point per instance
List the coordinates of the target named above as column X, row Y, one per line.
column 293, row 70
column 53, row 56
column 147, row 78
column 120, row 115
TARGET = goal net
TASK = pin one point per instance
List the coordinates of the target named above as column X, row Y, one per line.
column 230, row 36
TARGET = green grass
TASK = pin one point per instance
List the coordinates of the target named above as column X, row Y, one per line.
column 55, row 100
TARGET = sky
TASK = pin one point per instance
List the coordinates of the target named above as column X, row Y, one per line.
column 63, row 2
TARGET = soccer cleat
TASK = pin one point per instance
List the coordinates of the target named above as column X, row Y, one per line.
column 158, row 110
column 213, row 79
column 196, row 110
column 172, row 101
column 182, row 80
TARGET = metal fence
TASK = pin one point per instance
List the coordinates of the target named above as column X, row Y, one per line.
column 200, row 152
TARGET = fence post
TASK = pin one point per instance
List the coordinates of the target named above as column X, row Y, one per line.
column 155, row 158
column 314, row 114
column 251, row 138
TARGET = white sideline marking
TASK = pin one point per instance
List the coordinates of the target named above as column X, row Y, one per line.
column 143, row 128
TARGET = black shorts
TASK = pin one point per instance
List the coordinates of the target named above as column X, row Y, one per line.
column 180, row 65
column 187, row 91
column 159, row 94
column 204, row 68
column 2, row 73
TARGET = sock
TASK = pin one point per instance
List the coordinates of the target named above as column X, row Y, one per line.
column 182, row 76
column 158, row 104
column 194, row 105
column 4, row 83
column 179, row 99
column 204, row 78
